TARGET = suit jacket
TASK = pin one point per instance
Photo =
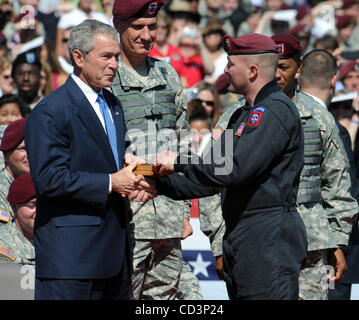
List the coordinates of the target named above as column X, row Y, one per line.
column 80, row 229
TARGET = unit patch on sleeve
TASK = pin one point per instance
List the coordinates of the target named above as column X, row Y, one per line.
column 217, row 134
column 240, row 129
column 4, row 216
column 7, row 253
column 255, row 117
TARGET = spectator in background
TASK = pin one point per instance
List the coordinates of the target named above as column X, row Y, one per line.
column 226, row 98
column 7, row 85
column 64, row 60
column 83, row 11
column 162, row 49
column 107, row 8
column 16, row 237
column 302, row 33
column 12, row 108
column 16, row 162
column 45, row 87
column 26, row 74
column 213, row 56
column 193, row 70
column 345, row 25
column 200, row 123
column 57, row 76
column 182, row 15
column 349, row 76
column 251, row 22
column 208, row 96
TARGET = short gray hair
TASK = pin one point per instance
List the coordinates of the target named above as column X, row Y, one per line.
column 81, row 36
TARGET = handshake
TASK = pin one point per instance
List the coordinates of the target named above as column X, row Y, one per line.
column 141, row 187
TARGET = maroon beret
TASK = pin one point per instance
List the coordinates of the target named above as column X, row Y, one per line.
column 21, row 189
column 287, row 45
column 344, row 21
column 253, row 43
column 13, row 135
column 123, row 9
column 300, row 30
column 222, row 83
column 302, row 12
column 346, row 68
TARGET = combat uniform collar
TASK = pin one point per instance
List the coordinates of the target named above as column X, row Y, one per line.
column 127, row 79
column 302, row 106
column 263, row 93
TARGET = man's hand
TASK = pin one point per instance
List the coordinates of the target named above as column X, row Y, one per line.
column 219, row 267
column 339, row 264
column 124, row 181
column 164, row 162
column 187, row 228
column 146, row 192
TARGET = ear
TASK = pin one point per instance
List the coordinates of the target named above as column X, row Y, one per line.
column 78, row 57
column 252, row 71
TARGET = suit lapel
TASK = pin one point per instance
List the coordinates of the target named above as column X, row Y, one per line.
column 90, row 120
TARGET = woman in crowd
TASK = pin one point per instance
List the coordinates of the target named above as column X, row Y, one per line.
column 6, row 82
column 12, row 108
column 208, row 96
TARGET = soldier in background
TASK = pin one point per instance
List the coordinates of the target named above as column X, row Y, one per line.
column 16, row 163
column 153, row 103
column 16, row 237
column 323, row 201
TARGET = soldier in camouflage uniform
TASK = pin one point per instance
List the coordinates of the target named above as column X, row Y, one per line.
column 16, row 163
column 323, row 201
column 16, row 237
column 154, row 108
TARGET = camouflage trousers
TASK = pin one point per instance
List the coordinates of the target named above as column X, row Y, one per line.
column 157, row 267
column 313, row 278
column 189, row 288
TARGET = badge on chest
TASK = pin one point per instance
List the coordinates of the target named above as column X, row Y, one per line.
column 255, row 116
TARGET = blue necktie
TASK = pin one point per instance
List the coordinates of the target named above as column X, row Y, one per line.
column 109, row 125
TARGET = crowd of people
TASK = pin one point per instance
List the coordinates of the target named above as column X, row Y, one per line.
column 42, row 60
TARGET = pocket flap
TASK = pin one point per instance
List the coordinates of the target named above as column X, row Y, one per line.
column 76, row 220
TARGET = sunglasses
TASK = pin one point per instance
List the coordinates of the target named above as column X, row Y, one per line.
column 210, row 103
column 6, row 77
column 65, row 40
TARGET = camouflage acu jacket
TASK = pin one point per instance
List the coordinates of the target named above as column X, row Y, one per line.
column 5, row 209
column 14, row 247
column 328, row 221
column 155, row 109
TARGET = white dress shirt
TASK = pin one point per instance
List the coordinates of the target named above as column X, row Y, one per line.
column 91, row 95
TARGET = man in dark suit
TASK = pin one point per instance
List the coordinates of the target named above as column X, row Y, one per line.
column 76, row 146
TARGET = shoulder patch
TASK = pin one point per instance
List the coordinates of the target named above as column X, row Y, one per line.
column 7, row 253
column 4, row 216
column 217, row 134
column 240, row 129
column 255, row 116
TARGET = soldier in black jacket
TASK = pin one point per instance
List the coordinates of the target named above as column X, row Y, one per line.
column 265, row 241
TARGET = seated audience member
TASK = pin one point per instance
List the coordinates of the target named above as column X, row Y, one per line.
column 16, row 163
column 16, row 237
column 12, row 108
column 6, row 82
column 26, row 74
column 162, row 49
column 208, row 96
